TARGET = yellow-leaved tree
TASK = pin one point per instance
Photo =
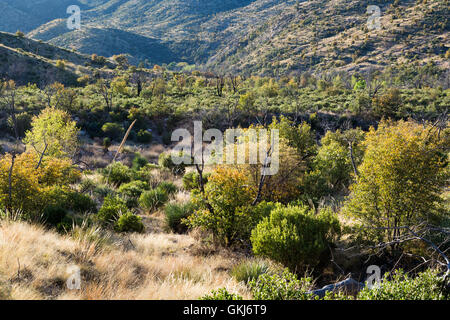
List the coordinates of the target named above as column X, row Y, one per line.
column 53, row 133
column 25, row 187
column 400, row 179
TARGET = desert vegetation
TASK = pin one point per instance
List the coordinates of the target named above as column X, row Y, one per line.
column 87, row 179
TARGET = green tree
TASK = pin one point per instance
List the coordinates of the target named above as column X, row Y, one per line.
column 53, row 133
column 300, row 137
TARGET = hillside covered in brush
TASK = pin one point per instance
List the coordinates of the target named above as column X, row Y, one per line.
column 29, row 61
column 269, row 37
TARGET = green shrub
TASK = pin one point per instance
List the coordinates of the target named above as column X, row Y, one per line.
column 144, row 136
column 168, row 187
column 23, row 123
column 103, row 191
column 165, row 160
column 426, row 286
column 175, row 213
column 138, row 162
column 167, row 138
column 280, row 287
column 144, row 173
column 153, row 199
column 87, row 185
column 295, row 236
column 117, row 173
column 221, row 294
column 70, row 200
column 191, row 180
column 129, row 223
column 111, row 210
column 66, row 225
column 250, row 216
column 53, row 215
column 81, row 203
column 250, row 270
column 106, row 144
column 114, row 131
column 132, row 191
column 226, row 193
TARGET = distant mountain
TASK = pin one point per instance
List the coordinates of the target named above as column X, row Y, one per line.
column 271, row 37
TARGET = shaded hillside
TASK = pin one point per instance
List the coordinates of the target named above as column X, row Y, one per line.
column 191, row 29
column 28, row 61
column 27, row 15
column 108, row 42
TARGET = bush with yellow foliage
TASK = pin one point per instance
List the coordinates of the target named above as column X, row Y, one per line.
column 27, row 186
column 401, row 177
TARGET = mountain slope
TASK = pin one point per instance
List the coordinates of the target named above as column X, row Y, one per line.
column 319, row 35
column 270, row 37
column 28, row 61
column 191, row 29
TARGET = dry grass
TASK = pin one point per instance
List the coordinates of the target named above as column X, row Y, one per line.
column 34, row 263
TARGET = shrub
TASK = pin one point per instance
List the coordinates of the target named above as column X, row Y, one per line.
column 32, row 187
column 129, row 223
column 226, row 193
column 111, row 210
column 60, row 64
column 26, row 192
column 138, row 162
column 175, row 213
column 54, row 171
column 145, row 173
column 168, row 187
column 167, row 138
column 117, row 173
column 249, row 217
column 153, row 199
column 280, row 287
column 106, row 144
column 144, row 136
column 81, row 203
column 103, row 190
column 282, row 186
column 295, row 236
column 66, row 225
column 191, row 180
column 132, row 191
column 114, row 131
column 165, row 160
column 23, row 123
column 53, row 215
column 221, row 294
column 387, row 105
column 404, row 188
column 250, row 270
column 20, row 34
column 426, row 286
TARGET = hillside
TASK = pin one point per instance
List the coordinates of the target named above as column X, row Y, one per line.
column 320, row 35
column 25, row 60
column 190, row 29
column 261, row 36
